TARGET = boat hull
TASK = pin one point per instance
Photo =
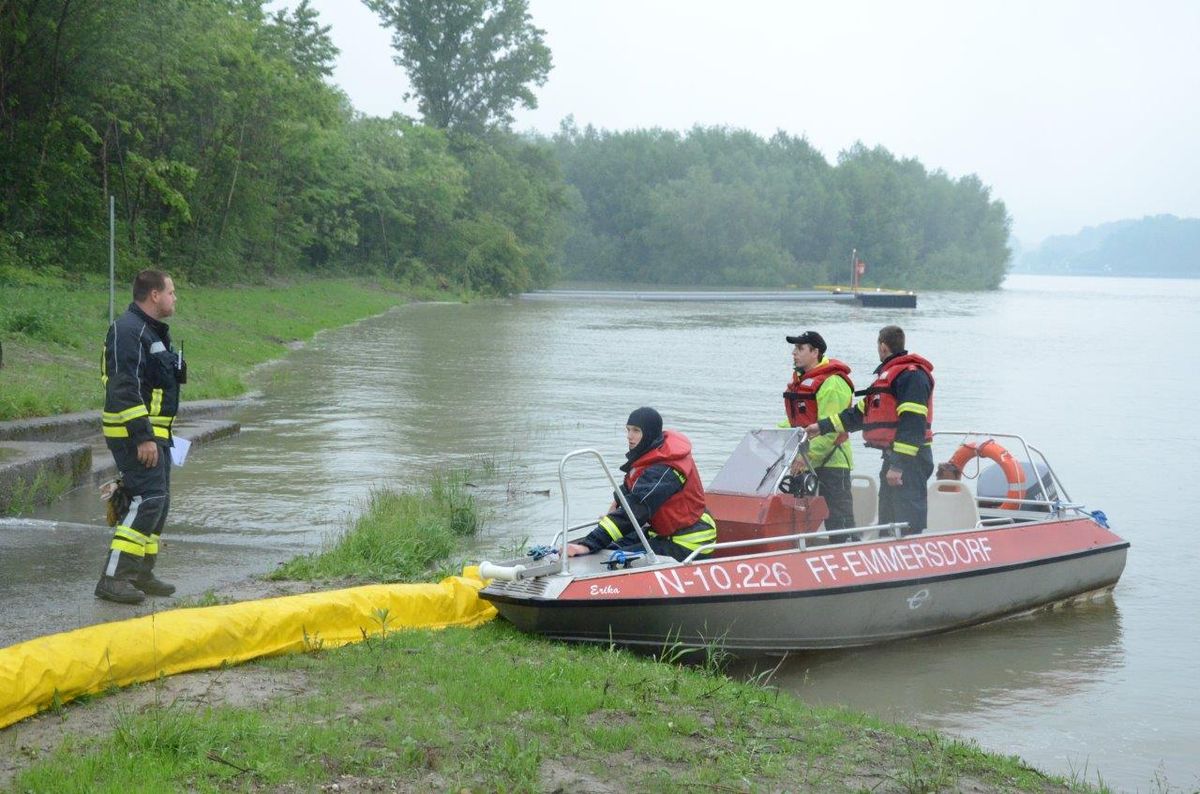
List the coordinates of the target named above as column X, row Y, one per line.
column 825, row 597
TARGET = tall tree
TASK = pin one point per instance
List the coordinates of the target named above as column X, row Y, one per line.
column 470, row 61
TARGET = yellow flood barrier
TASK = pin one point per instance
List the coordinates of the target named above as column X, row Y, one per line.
column 60, row 667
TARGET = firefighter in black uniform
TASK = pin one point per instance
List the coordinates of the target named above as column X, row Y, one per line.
column 141, row 373
column 895, row 416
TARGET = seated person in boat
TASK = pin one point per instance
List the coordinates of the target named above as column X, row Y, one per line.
column 820, row 387
column 662, row 487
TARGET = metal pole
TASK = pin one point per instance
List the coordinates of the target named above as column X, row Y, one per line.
column 112, row 253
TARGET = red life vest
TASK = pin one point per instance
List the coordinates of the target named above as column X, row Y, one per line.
column 800, row 399
column 880, row 419
column 683, row 509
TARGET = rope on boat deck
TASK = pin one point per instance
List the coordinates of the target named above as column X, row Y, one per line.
column 623, row 559
column 541, row 552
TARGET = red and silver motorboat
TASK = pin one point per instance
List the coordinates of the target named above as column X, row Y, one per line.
column 1002, row 541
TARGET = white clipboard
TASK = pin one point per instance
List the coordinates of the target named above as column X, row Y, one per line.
column 179, row 450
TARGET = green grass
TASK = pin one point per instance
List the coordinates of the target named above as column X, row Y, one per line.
column 208, row 598
column 493, row 710
column 399, row 536
column 53, row 335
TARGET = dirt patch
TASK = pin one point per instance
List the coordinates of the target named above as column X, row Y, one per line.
column 27, row 741
column 353, row 784
column 560, row 776
column 255, row 589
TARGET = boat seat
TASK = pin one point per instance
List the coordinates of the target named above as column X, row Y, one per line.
column 951, row 506
column 865, row 494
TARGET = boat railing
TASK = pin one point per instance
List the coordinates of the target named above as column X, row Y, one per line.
column 801, row 539
column 560, row 563
column 651, row 559
column 1054, row 506
column 1029, row 451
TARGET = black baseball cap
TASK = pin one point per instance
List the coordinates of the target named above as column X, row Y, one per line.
column 810, row 338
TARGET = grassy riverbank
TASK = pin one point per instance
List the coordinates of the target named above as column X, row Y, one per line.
column 52, row 335
column 494, row 710
column 400, row 536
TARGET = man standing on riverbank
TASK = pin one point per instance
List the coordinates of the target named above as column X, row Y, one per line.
column 142, row 374
column 897, row 417
column 820, row 387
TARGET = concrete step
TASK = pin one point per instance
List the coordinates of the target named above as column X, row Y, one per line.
column 81, row 425
column 40, row 459
column 36, row 472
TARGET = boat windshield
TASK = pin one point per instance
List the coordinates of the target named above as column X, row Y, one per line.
column 759, row 462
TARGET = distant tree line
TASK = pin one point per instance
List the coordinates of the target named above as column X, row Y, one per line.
column 232, row 158
column 1161, row 245
column 719, row 206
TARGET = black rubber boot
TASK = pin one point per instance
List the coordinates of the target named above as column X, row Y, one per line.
column 148, row 583
column 118, row 591
column 152, row 585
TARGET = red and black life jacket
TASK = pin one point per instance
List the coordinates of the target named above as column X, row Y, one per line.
column 880, row 418
column 800, row 399
column 683, row 509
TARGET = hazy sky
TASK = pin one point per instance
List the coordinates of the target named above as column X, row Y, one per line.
column 1075, row 113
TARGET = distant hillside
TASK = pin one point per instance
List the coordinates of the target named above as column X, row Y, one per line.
column 1162, row 245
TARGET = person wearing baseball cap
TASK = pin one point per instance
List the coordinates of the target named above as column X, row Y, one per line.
column 820, row 387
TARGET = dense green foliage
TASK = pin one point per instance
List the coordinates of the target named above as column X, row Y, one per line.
column 231, row 158
column 724, row 207
column 1162, row 245
column 470, row 61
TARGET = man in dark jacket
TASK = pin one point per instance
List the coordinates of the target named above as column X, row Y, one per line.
column 662, row 487
column 896, row 416
column 141, row 373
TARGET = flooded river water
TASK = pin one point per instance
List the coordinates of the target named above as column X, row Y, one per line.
column 1095, row 372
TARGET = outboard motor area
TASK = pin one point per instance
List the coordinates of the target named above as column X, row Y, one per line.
column 993, row 485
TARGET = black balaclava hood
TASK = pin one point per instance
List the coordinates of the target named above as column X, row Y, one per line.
column 650, row 422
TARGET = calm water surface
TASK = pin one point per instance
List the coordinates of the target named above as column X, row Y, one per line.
column 1095, row 372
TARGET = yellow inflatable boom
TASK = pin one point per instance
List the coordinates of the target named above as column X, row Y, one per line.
column 95, row 658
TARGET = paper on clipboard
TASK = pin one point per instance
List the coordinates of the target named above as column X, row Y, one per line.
column 179, row 450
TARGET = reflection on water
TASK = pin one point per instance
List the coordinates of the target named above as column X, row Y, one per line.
column 1035, row 659
column 519, row 384
column 1008, row 685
